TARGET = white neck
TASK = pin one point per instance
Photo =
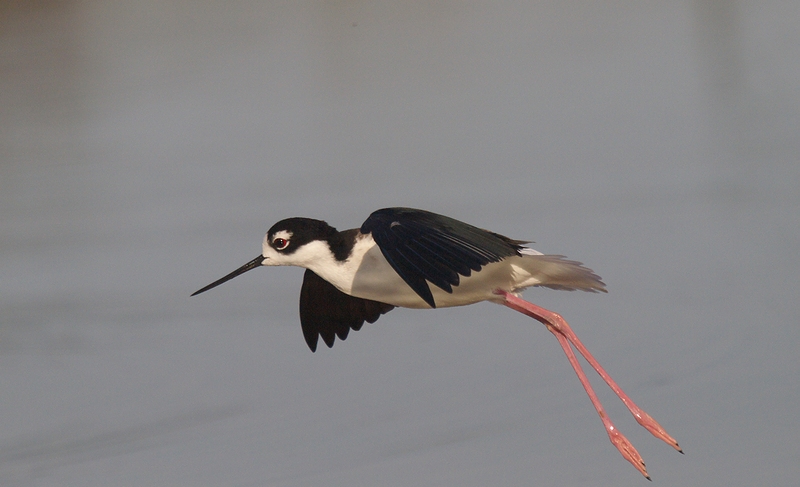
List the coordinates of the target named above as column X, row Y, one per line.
column 317, row 256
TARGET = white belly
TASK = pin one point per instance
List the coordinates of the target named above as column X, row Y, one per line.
column 374, row 278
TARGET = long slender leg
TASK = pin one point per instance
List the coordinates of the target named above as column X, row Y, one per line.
column 617, row 439
column 554, row 320
column 559, row 327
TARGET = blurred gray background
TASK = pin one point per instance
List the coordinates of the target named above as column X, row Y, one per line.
column 145, row 148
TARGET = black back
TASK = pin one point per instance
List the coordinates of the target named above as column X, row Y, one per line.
column 423, row 246
column 327, row 312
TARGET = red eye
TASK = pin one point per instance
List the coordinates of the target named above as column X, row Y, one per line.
column 280, row 243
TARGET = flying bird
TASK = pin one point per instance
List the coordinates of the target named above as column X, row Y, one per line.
column 404, row 257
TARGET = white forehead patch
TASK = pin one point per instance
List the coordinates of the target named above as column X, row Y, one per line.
column 284, row 234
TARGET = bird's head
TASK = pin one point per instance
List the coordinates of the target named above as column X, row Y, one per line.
column 293, row 241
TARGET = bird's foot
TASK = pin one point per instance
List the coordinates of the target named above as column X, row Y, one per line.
column 628, row 452
column 655, row 429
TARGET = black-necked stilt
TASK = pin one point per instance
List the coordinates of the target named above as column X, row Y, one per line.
column 359, row 274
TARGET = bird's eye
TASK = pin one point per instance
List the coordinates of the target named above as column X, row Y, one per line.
column 280, row 243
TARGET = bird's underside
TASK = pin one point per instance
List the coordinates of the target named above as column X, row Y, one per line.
column 328, row 312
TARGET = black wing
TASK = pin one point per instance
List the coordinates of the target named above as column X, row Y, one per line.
column 327, row 312
column 423, row 246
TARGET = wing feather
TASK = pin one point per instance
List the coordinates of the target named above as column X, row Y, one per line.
column 327, row 312
column 425, row 247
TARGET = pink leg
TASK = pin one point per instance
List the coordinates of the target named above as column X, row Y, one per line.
column 617, row 439
column 559, row 327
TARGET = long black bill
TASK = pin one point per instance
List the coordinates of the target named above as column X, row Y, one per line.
column 247, row 267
